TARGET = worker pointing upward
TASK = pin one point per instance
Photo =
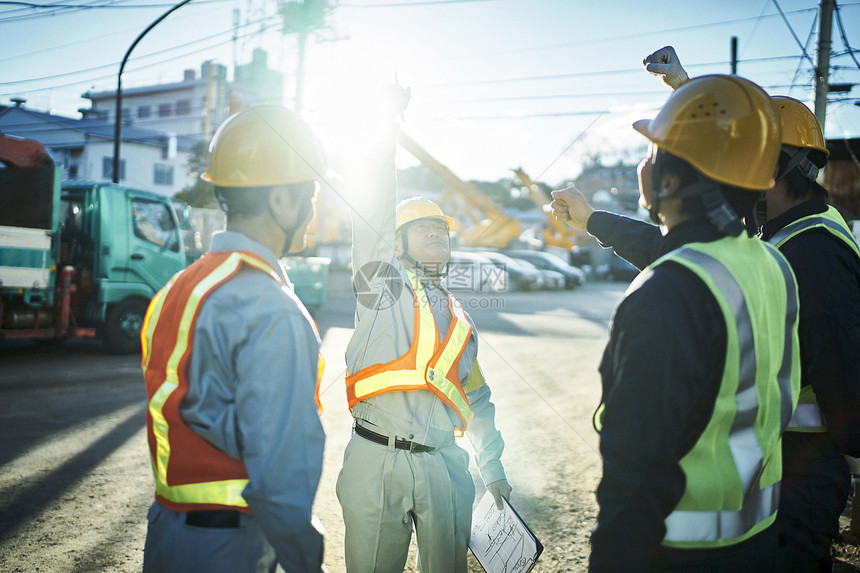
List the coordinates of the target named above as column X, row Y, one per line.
column 413, row 384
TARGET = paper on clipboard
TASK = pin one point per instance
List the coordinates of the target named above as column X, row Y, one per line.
column 500, row 540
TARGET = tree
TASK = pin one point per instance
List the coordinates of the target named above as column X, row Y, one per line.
column 200, row 193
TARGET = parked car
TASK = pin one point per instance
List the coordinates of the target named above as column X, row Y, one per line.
column 523, row 275
column 552, row 280
column 573, row 276
column 472, row 271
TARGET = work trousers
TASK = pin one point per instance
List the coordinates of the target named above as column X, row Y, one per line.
column 815, row 486
column 385, row 493
column 173, row 546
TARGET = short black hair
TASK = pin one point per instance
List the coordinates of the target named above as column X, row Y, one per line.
column 243, row 201
column 798, row 186
column 742, row 201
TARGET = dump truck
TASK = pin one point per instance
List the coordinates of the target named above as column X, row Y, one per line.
column 80, row 258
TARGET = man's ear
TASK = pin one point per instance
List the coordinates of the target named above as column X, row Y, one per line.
column 279, row 201
column 669, row 185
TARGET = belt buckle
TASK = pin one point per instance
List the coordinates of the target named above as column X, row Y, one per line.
column 411, row 447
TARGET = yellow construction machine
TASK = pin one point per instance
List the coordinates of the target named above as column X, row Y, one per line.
column 555, row 233
column 486, row 224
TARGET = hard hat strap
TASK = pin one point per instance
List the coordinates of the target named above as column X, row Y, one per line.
column 720, row 213
column 304, row 199
column 717, row 210
column 799, row 160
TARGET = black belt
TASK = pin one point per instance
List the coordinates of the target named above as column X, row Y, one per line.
column 411, row 447
column 216, row 518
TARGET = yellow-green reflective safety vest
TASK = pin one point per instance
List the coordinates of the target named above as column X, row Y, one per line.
column 733, row 471
column 808, row 416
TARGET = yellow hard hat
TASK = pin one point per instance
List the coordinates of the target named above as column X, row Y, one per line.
column 727, row 127
column 416, row 208
column 800, row 127
column 262, row 146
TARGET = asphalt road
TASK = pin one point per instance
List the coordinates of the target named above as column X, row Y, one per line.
column 74, row 471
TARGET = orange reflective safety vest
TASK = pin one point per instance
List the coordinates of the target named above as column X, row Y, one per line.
column 427, row 365
column 190, row 473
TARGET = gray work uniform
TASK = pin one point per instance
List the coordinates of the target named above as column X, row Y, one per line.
column 385, row 492
column 252, row 374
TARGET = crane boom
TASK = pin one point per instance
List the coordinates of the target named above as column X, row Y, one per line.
column 493, row 228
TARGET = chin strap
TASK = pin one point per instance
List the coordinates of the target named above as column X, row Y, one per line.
column 721, row 215
column 437, row 272
column 799, row 160
column 305, row 211
column 717, row 210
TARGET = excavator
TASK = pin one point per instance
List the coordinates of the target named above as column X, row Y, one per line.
column 487, row 226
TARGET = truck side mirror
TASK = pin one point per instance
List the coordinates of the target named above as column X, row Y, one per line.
column 185, row 218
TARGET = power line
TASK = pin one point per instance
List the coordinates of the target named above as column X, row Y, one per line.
column 844, row 37
column 413, row 4
column 793, row 35
column 26, row 12
column 589, row 73
column 139, row 67
column 85, row 6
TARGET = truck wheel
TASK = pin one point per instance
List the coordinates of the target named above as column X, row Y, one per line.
column 122, row 331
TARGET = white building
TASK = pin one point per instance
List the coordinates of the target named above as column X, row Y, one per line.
column 193, row 108
column 161, row 124
column 149, row 159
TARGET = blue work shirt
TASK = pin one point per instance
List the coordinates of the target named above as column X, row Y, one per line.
column 253, row 377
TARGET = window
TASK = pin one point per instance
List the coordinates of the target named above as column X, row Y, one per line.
column 154, row 224
column 107, row 168
column 126, row 114
column 143, row 111
column 163, row 110
column 163, row 174
column 183, row 107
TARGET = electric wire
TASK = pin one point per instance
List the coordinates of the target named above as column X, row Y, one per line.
column 796, row 39
column 844, row 36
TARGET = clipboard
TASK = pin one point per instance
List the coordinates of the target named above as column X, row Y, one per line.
column 500, row 540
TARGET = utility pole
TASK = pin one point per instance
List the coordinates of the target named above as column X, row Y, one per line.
column 822, row 67
column 734, row 55
column 303, row 18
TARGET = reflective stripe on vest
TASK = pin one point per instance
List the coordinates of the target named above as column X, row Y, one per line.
column 212, row 479
column 428, row 364
column 752, row 484
column 829, row 220
column 808, row 416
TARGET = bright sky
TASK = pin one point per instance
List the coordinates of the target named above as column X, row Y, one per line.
column 496, row 84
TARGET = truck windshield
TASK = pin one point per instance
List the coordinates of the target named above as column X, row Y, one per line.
column 153, row 223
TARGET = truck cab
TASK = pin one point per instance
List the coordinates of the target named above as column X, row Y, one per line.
column 79, row 258
column 124, row 245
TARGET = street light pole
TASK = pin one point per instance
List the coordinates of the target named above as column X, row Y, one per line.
column 118, row 119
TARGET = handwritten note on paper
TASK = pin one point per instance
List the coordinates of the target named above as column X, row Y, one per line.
column 500, row 540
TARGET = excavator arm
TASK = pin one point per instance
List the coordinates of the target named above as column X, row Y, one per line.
column 490, row 226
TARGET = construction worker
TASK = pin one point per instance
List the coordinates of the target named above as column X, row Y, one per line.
column 793, row 216
column 701, row 371
column 231, row 362
column 413, row 383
